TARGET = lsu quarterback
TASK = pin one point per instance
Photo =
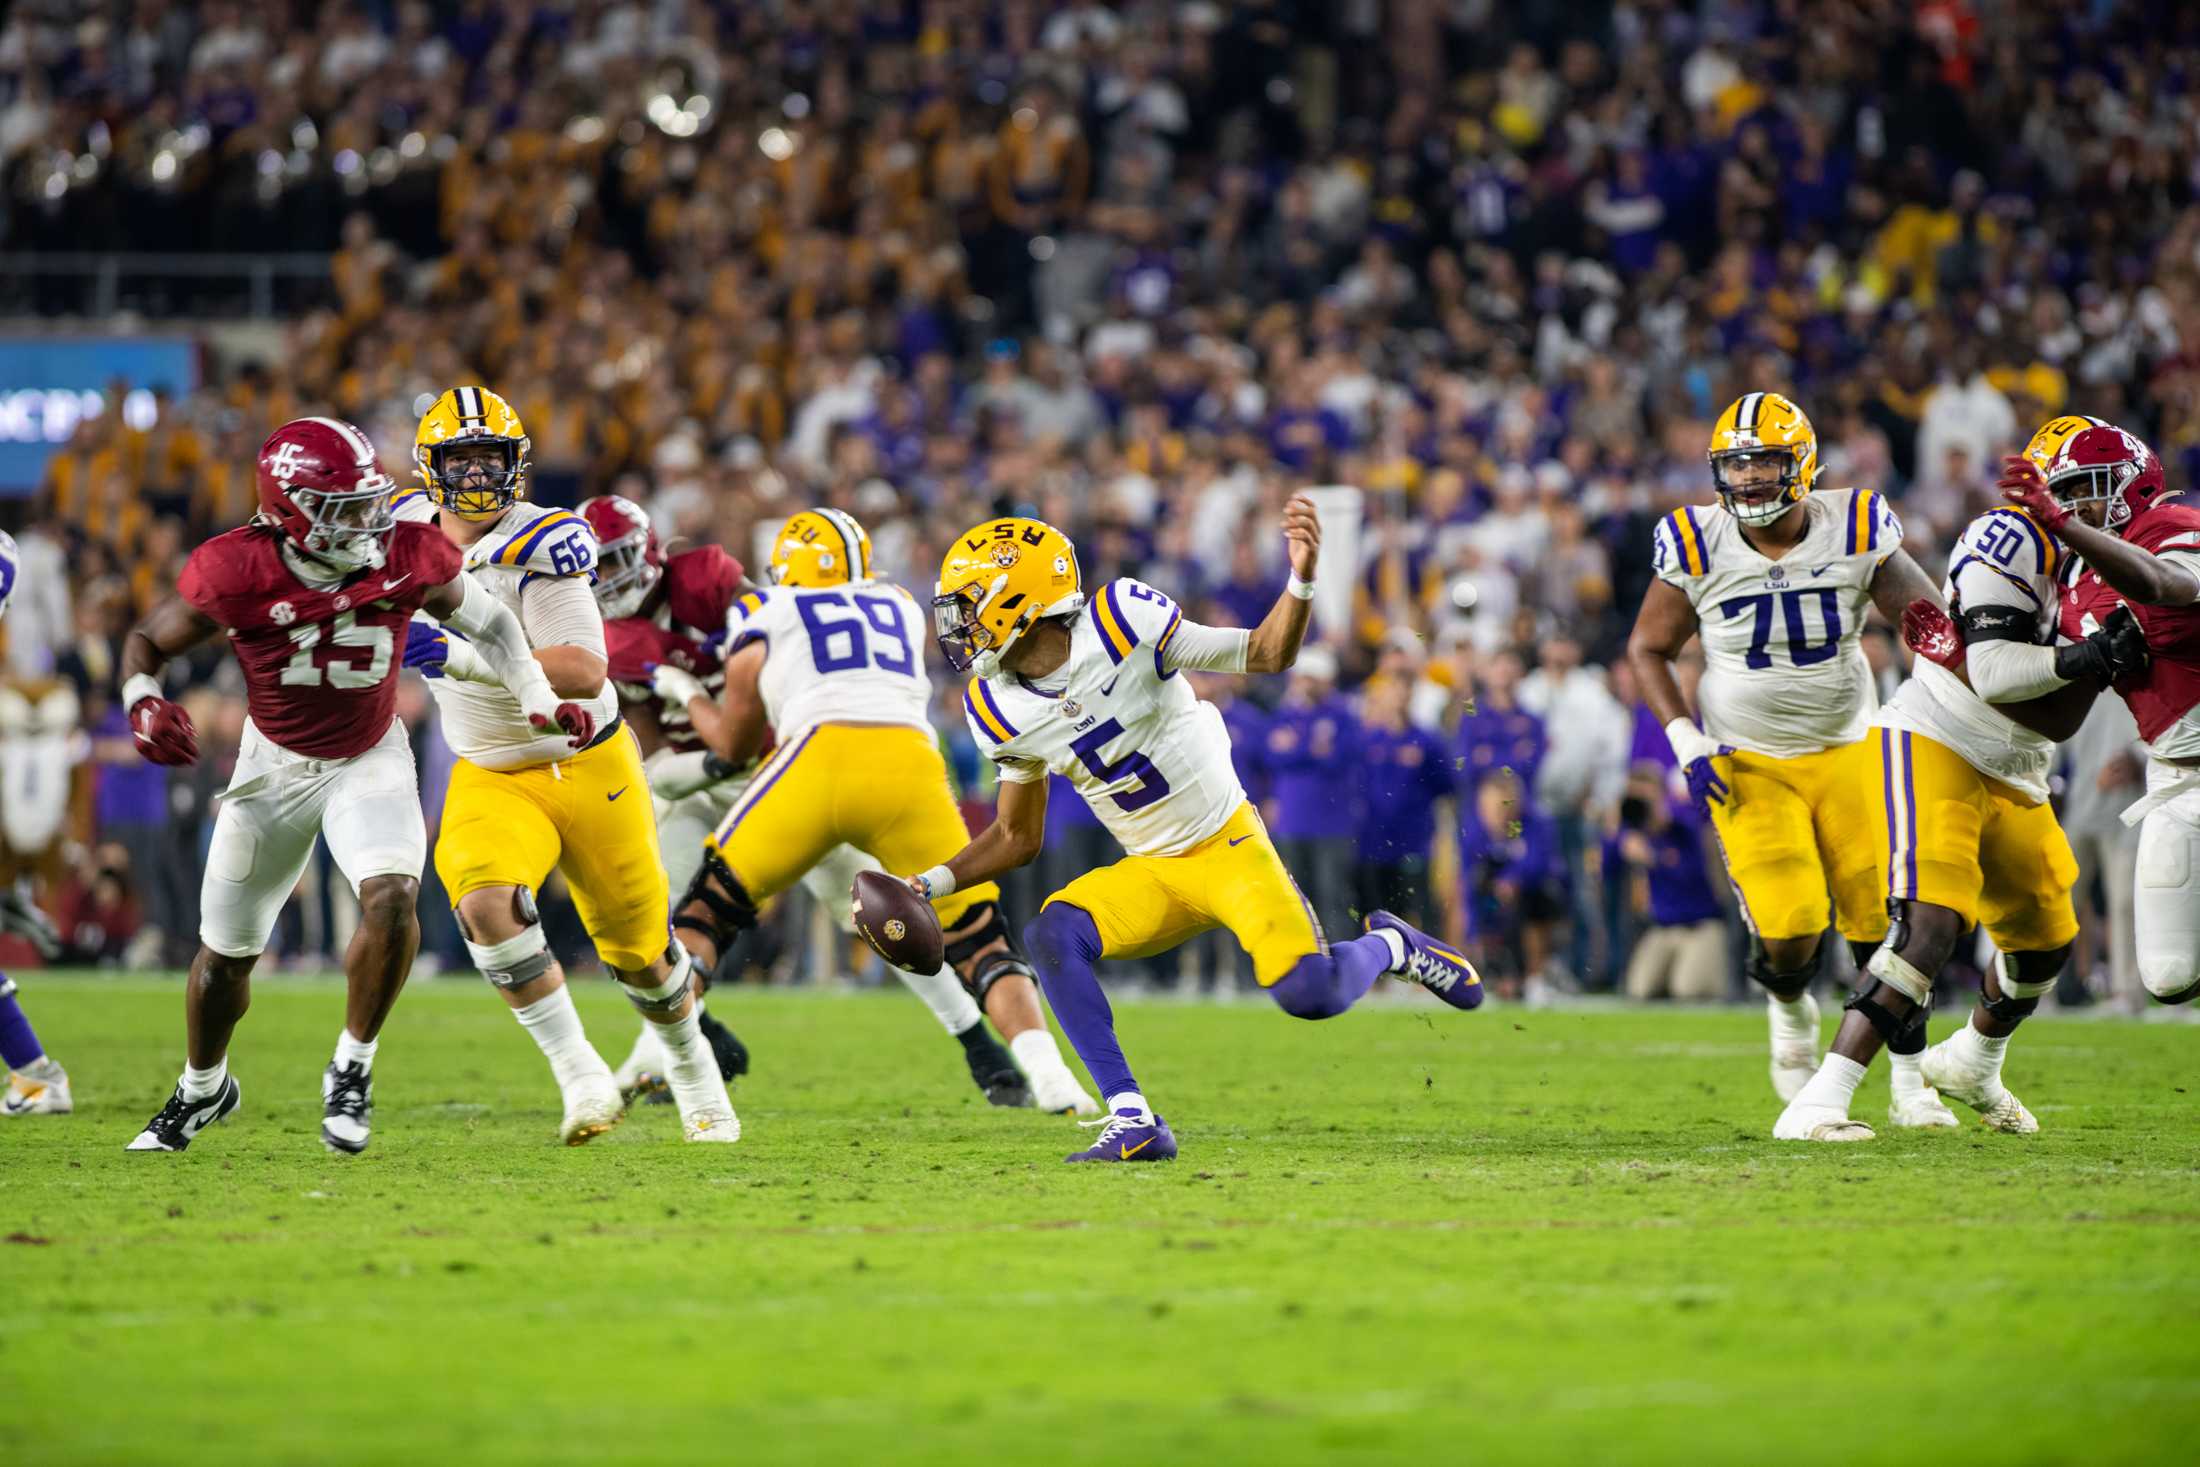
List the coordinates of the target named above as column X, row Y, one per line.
column 1964, row 756
column 520, row 804
column 665, row 616
column 1089, row 689
column 831, row 661
column 1777, row 580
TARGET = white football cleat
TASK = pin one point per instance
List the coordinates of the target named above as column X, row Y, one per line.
column 642, row 1075
column 1818, row 1123
column 592, row 1107
column 1920, row 1111
column 1978, row 1087
column 30, row 1095
column 720, row 1125
column 1795, row 1057
column 1055, row 1090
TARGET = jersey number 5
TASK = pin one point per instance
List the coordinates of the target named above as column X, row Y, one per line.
column 1152, row 785
column 302, row 671
column 1801, row 650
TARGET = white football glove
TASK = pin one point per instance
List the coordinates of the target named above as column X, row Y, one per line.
column 674, row 686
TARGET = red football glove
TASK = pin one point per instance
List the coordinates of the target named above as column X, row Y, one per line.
column 1932, row 634
column 579, row 724
column 2027, row 489
column 163, row 732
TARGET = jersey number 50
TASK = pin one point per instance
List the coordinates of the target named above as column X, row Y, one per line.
column 1801, row 650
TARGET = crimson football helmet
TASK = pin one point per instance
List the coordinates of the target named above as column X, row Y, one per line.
column 2109, row 467
column 629, row 561
column 323, row 488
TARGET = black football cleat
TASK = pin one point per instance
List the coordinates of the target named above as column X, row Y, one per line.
column 180, row 1120
column 347, row 1108
column 732, row 1055
column 993, row 1071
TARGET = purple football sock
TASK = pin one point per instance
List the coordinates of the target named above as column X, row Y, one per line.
column 18, row 1045
column 1064, row 944
column 1324, row 985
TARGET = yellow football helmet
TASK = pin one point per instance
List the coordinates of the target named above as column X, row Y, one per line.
column 998, row 580
column 2054, row 434
column 466, row 416
column 821, row 547
column 1760, row 425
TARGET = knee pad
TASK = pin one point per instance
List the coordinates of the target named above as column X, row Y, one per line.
column 516, row 961
column 1902, row 1033
column 731, row 912
column 2171, row 977
column 665, row 997
column 2020, row 996
column 993, row 967
column 1758, row 965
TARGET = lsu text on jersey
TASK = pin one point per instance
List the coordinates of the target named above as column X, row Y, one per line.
column 1785, row 685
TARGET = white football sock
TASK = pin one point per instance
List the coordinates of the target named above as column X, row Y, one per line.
column 1793, row 1019
column 1985, row 1048
column 556, row 1027
column 1131, row 1100
column 45, row 1070
column 1834, row 1086
column 1035, row 1050
column 691, row 1070
column 360, row 1052
column 199, row 1084
column 1396, row 942
column 945, row 996
column 1905, row 1075
column 648, row 1052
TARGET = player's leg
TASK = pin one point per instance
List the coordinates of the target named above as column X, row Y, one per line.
column 258, row 851
column 37, row 1085
column 682, row 826
column 2026, row 908
column 617, row 876
column 776, row 830
column 901, row 810
column 1771, row 852
column 498, row 841
column 2166, row 895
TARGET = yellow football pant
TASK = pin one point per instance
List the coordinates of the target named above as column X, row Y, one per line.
column 1801, row 835
column 881, row 788
column 590, row 817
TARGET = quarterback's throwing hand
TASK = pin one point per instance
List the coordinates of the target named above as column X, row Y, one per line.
column 2026, row 487
column 1302, row 533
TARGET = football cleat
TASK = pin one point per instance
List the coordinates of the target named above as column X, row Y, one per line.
column 1979, row 1088
column 1128, row 1136
column 180, row 1120
column 717, row 1124
column 1431, row 964
column 347, row 1107
column 1056, row 1091
column 592, row 1107
column 30, row 1095
column 993, row 1072
column 1795, row 1057
column 1922, row 1111
column 20, row 915
column 732, row 1055
column 642, row 1076
column 1818, row 1123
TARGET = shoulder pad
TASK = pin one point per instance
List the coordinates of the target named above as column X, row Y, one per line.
column 413, row 504
column 985, row 713
column 744, row 618
column 1871, row 527
column 556, row 544
column 2166, row 527
column 1130, row 614
column 2011, row 540
column 1678, row 544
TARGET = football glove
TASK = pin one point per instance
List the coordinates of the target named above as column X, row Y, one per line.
column 2118, row 650
column 2026, row 487
column 163, row 732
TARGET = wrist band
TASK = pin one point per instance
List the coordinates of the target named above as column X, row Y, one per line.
column 137, row 687
column 938, row 882
column 1304, row 590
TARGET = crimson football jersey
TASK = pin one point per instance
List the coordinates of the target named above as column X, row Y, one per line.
column 2170, row 686
column 320, row 666
column 699, row 585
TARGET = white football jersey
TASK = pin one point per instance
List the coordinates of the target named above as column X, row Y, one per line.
column 2001, row 559
column 840, row 654
column 1151, row 759
column 481, row 721
column 10, row 558
column 1784, row 670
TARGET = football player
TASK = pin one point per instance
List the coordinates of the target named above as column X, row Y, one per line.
column 521, row 803
column 1777, row 581
column 1970, row 838
column 834, row 662
column 2137, row 546
column 37, row 1085
column 1089, row 690
column 665, row 622
column 314, row 595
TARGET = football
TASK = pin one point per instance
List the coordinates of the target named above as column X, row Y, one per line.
column 900, row 925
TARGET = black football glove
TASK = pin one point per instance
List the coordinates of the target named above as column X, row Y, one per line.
column 2117, row 651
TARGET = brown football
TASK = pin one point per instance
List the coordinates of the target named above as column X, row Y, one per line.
column 900, row 925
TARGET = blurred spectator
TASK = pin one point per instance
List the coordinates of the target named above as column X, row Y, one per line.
column 1403, row 776
column 1311, row 758
column 1515, row 885
column 1659, row 849
column 2106, row 771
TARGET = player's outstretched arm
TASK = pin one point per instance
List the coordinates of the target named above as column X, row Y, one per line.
column 501, row 643
column 2132, row 573
column 1274, row 644
column 161, row 729
column 1898, row 584
column 734, row 727
column 1018, row 830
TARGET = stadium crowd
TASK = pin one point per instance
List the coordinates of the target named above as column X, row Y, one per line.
column 1144, row 268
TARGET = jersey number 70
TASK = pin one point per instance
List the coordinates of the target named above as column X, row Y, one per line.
column 1801, row 650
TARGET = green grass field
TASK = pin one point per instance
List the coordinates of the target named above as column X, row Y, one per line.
column 1406, row 1234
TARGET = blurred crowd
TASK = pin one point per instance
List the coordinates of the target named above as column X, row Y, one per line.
column 1145, row 268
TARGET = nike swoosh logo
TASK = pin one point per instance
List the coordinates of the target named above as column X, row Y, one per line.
column 1820, row 571
column 1109, row 687
column 401, row 580
column 1130, row 1151
column 622, row 789
column 1235, row 842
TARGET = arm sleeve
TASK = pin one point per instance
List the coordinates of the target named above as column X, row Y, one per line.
column 2005, row 664
column 673, row 776
column 497, row 636
column 1205, row 648
column 560, row 611
column 2010, row 672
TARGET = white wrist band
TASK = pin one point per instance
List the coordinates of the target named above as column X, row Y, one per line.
column 1304, row 590
column 137, row 687
column 1689, row 742
column 938, row 882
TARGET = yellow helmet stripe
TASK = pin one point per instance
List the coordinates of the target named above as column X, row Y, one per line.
column 1689, row 539
column 1745, row 412
column 516, row 549
column 1115, row 628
